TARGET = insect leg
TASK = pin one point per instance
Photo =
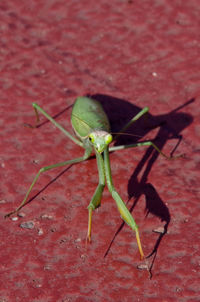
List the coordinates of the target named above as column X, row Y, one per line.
column 134, row 119
column 44, row 169
column 96, row 199
column 38, row 108
column 147, row 143
column 124, row 212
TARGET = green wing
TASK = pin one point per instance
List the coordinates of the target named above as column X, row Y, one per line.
column 88, row 115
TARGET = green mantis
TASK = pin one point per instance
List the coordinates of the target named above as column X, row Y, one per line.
column 92, row 128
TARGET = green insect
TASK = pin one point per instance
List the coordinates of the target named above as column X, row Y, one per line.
column 92, row 128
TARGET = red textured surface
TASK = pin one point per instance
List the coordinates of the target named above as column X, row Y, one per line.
column 142, row 52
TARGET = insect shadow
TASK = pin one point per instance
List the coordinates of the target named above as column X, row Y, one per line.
column 170, row 126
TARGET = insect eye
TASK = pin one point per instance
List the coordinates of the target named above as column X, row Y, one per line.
column 91, row 137
column 108, row 138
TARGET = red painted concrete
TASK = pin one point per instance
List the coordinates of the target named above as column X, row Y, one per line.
column 130, row 54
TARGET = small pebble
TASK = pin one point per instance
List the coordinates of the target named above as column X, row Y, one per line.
column 40, row 232
column 63, row 240
column 77, row 240
column 83, row 257
column 36, row 161
column 21, row 214
column 27, row 225
column 160, row 230
column 47, row 267
column 38, row 285
column 14, row 218
column 142, row 266
column 46, row 216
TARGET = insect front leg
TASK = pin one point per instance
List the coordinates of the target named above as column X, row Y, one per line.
column 96, row 199
column 124, row 212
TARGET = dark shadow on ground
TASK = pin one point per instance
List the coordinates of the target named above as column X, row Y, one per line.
column 169, row 127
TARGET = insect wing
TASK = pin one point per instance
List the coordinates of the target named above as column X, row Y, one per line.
column 88, row 115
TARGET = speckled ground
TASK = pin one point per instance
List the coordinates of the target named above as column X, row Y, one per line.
column 128, row 54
